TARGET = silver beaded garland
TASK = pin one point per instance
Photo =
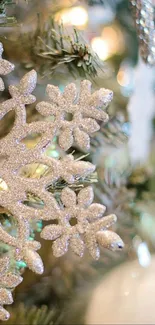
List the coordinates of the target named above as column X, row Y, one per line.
column 143, row 13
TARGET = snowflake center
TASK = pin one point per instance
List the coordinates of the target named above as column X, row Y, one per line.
column 73, row 221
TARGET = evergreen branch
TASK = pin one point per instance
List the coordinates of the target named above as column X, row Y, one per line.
column 6, row 20
column 52, row 47
column 24, row 315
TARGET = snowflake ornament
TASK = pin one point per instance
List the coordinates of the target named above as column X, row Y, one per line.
column 84, row 109
column 89, row 228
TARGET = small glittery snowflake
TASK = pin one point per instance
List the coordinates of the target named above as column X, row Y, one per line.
column 84, row 110
column 90, row 228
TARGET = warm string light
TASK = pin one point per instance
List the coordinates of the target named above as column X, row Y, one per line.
column 110, row 42
column 113, row 36
column 125, row 78
column 76, row 16
column 100, row 47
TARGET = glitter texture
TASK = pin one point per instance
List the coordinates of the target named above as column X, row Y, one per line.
column 80, row 223
column 5, row 67
column 8, row 281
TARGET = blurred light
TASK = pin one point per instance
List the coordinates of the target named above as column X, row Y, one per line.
column 114, row 38
column 144, row 256
column 126, row 128
column 76, row 16
column 20, row 264
column 123, row 78
column 110, row 42
column 54, row 154
column 100, row 47
column 52, row 151
column 3, row 185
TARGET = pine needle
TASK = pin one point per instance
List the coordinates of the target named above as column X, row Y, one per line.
column 53, row 48
column 6, row 20
column 25, row 315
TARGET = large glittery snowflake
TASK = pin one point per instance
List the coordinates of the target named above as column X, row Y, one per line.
column 80, row 223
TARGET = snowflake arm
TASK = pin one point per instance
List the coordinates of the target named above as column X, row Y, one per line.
column 5, row 67
column 8, row 281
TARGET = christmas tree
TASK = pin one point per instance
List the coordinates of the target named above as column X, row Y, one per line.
column 76, row 150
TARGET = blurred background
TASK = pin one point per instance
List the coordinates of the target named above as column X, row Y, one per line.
column 111, row 43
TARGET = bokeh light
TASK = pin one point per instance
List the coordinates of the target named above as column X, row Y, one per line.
column 100, row 47
column 113, row 36
column 110, row 42
column 76, row 16
column 123, row 78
